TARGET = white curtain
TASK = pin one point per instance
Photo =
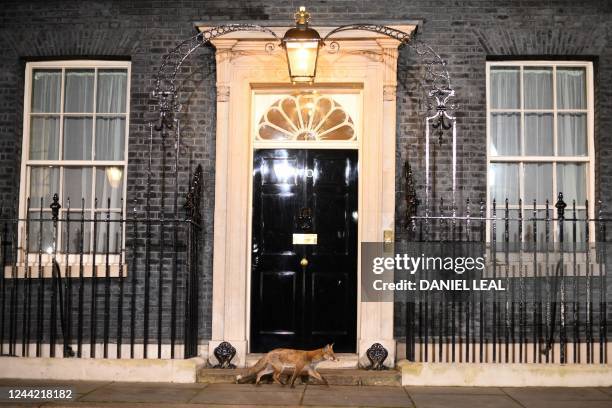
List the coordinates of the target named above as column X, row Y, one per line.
column 504, row 183
column 571, row 134
column 505, row 134
column 538, row 183
column 44, row 138
column 111, row 91
column 44, row 182
column 109, row 186
column 77, row 138
column 571, row 88
column 571, row 181
column 77, row 185
column 537, row 88
column 505, row 88
column 46, row 86
column 110, row 138
column 109, row 189
column 539, row 134
column 78, row 96
column 112, row 230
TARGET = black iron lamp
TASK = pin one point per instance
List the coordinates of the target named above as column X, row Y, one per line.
column 302, row 45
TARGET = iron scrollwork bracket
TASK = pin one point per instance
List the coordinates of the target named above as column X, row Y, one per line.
column 440, row 91
column 377, row 354
column 166, row 91
column 224, row 353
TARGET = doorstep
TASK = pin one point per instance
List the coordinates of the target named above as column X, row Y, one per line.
column 338, row 376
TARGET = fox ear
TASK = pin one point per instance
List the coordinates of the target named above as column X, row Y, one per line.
column 331, row 346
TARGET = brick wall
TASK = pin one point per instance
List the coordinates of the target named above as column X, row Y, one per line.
column 465, row 32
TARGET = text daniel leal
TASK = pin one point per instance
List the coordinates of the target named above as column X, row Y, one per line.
column 449, row 284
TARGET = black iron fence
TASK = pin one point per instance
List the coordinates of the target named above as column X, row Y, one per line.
column 552, row 262
column 97, row 283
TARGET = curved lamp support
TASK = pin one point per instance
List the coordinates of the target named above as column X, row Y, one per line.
column 440, row 92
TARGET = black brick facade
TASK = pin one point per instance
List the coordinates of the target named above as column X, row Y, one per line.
column 465, row 32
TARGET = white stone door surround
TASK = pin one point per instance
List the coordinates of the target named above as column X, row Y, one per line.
column 364, row 59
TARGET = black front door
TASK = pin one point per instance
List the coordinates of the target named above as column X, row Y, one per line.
column 304, row 295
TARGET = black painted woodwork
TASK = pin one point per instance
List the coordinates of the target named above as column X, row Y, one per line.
column 304, row 191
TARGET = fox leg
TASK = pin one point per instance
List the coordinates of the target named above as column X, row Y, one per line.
column 315, row 374
column 267, row 370
column 298, row 371
column 276, row 377
column 278, row 370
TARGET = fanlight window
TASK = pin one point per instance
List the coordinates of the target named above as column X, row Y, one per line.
column 306, row 117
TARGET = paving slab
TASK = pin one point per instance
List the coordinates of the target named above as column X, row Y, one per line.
column 414, row 390
column 144, row 392
column 371, row 396
column 248, row 394
column 463, row 401
column 539, row 394
column 145, row 405
column 607, row 390
column 566, row 404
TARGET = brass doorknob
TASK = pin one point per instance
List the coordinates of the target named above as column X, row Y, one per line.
column 304, row 262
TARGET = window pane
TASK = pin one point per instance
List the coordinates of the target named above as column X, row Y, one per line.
column 37, row 241
column 505, row 134
column 77, row 185
column 46, row 94
column 537, row 226
column 78, row 96
column 571, row 88
column 539, row 134
column 538, row 183
column 513, row 227
column 108, row 229
column 504, row 183
column 571, row 181
column 77, row 138
column 537, row 86
column 571, row 134
column 505, row 88
column 44, row 139
column 112, row 88
column 109, row 185
column 44, row 182
column 74, row 237
column 110, row 138
column 579, row 225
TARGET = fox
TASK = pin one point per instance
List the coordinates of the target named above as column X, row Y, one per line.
column 278, row 360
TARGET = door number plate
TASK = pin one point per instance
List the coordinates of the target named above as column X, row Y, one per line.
column 304, row 239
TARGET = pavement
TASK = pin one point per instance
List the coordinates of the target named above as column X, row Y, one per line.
column 132, row 395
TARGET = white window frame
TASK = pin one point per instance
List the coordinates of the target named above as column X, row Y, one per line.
column 589, row 158
column 25, row 161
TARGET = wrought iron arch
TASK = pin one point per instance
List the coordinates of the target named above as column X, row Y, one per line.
column 440, row 116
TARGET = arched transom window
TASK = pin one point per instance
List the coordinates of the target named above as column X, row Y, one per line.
column 305, row 117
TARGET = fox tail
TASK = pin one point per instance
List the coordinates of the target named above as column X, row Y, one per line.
column 251, row 371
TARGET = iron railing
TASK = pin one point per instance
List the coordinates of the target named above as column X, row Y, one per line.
column 553, row 264
column 100, row 284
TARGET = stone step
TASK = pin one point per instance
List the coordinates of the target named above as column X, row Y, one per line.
column 334, row 376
